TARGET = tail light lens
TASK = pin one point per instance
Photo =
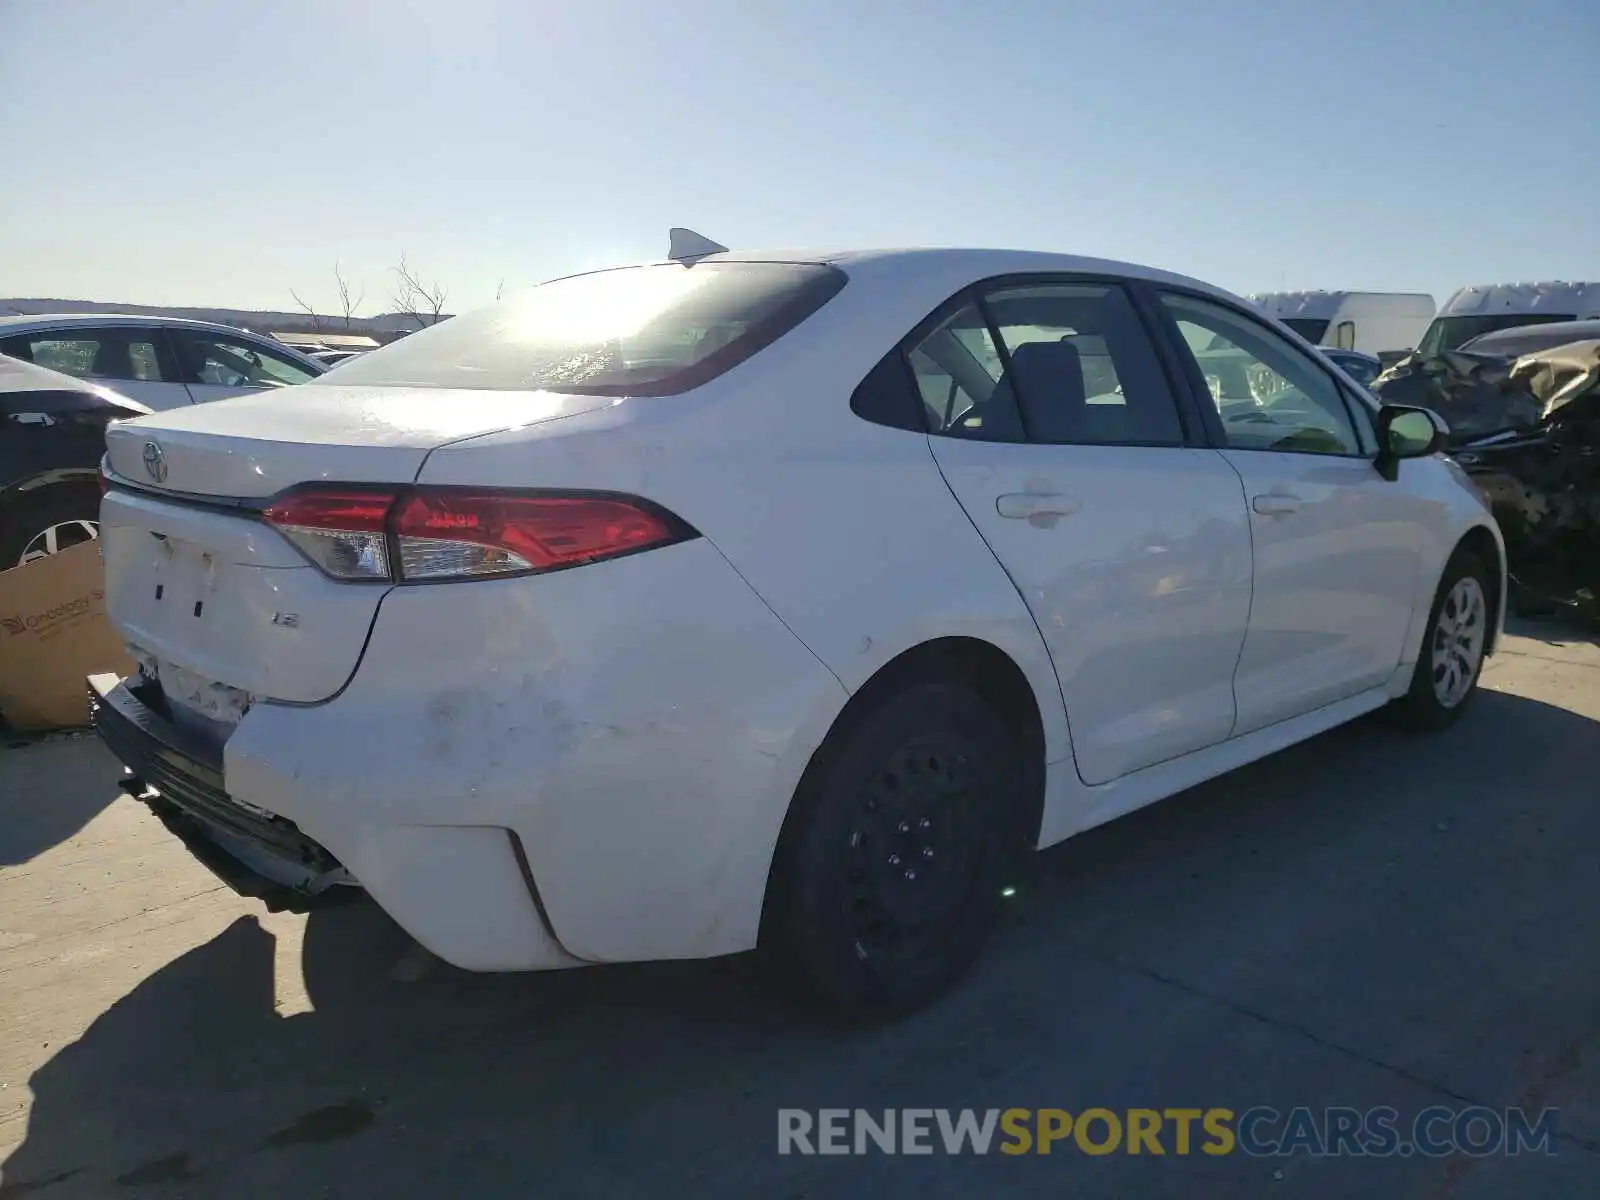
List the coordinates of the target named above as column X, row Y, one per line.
column 341, row 531
column 432, row 534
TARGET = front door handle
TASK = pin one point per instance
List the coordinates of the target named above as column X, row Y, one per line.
column 1022, row 506
column 1275, row 504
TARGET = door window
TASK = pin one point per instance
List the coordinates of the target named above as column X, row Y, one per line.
column 957, row 370
column 1083, row 370
column 115, row 355
column 1055, row 363
column 221, row 360
column 1269, row 393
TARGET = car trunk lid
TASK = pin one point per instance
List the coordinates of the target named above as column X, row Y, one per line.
column 204, row 590
column 254, row 446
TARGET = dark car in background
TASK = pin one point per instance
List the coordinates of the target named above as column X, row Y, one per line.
column 1357, row 364
column 1526, row 339
column 52, row 436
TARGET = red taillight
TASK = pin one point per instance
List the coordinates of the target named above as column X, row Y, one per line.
column 460, row 533
column 443, row 534
column 339, row 529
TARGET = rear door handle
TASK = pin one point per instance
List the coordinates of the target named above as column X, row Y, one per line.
column 1275, row 504
column 1020, row 506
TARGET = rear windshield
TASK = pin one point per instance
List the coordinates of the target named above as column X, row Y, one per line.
column 1307, row 327
column 636, row 331
column 1447, row 333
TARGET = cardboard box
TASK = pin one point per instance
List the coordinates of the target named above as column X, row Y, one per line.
column 53, row 632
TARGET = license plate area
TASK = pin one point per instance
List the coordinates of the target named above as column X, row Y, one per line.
column 230, row 599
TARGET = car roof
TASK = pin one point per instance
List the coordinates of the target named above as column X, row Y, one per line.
column 30, row 321
column 961, row 263
column 1560, row 330
column 979, row 262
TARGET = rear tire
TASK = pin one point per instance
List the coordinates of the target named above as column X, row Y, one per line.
column 48, row 521
column 1451, row 658
column 908, row 824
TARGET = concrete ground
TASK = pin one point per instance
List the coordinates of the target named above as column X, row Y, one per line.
column 1364, row 920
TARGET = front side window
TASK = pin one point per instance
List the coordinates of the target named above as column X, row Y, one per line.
column 113, row 355
column 224, row 361
column 635, row 331
column 1269, row 393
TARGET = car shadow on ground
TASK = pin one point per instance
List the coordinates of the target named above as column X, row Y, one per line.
column 1412, row 905
column 73, row 769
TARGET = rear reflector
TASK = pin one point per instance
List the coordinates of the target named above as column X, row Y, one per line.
column 432, row 534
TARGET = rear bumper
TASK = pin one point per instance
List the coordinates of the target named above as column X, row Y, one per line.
column 180, row 778
column 490, row 922
column 582, row 767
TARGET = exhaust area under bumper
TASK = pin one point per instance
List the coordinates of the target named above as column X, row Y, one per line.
column 180, row 778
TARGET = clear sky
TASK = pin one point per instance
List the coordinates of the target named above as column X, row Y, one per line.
column 222, row 152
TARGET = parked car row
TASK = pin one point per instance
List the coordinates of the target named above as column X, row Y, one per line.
column 1391, row 325
column 785, row 600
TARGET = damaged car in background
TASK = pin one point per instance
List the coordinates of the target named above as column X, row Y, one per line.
column 1526, row 429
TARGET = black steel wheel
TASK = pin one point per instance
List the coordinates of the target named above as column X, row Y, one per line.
column 907, row 827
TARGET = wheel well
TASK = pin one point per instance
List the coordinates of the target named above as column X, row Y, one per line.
column 1480, row 543
column 984, row 667
column 21, row 491
column 987, row 669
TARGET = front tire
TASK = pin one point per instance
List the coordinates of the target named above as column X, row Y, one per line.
column 906, row 827
column 1453, row 646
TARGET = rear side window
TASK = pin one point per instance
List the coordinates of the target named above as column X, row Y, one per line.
column 636, row 331
column 116, row 354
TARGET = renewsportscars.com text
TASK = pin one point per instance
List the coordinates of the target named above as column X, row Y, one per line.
column 1260, row 1131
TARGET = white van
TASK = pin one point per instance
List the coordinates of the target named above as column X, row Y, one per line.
column 1380, row 323
column 1483, row 309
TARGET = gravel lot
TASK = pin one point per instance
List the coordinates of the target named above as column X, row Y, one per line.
column 1367, row 919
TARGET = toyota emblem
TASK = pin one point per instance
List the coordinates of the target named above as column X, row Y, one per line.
column 155, row 462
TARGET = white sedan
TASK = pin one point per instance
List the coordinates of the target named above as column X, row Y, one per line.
column 779, row 599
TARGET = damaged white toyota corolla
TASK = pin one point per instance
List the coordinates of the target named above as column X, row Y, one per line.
column 768, row 598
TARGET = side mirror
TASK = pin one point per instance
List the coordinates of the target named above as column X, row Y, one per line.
column 1407, row 432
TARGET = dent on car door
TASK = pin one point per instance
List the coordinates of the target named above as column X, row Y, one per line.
column 1336, row 545
column 1055, row 427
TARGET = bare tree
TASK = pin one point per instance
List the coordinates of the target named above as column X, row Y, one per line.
column 500, row 289
column 416, row 297
column 345, row 303
column 316, row 320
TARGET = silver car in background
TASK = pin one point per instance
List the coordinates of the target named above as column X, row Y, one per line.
column 162, row 362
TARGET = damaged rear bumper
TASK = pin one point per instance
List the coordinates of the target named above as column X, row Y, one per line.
column 180, row 778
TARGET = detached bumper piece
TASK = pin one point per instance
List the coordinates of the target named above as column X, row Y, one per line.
column 180, row 778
